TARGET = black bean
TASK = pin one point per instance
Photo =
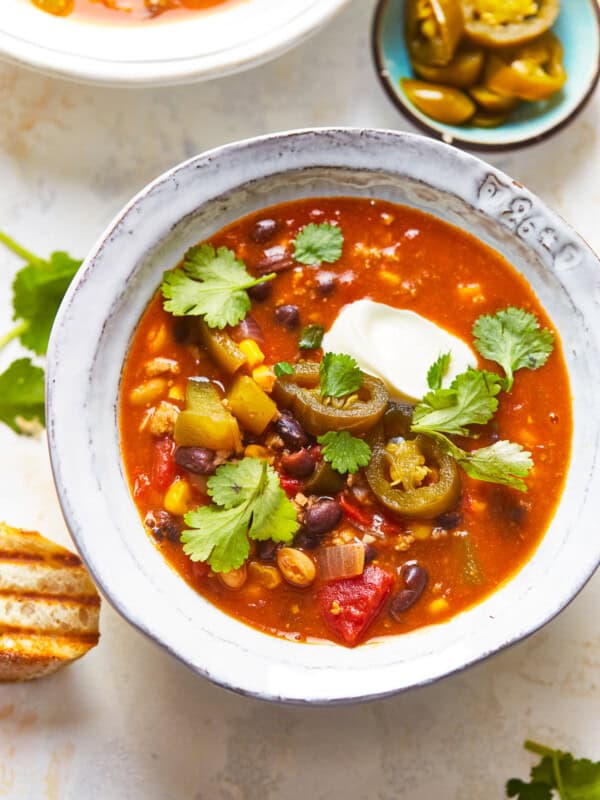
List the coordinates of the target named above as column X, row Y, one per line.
column 291, row 431
column 325, row 283
column 507, row 508
column 199, row 460
column 305, row 540
column 370, row 553
column 261, row 292
column 267, row 550
column 299, row 464
column 322, row 517
column 275, row 259
column 415, row 578
column 405, row 599
column 182, row 329
column 288, row 316
column 449, row 520
column 163, row 525
column 263, row 230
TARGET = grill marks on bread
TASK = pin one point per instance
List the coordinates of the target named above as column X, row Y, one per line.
column 49, row 606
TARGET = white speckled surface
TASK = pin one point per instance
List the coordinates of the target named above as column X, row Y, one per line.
column 128, row 721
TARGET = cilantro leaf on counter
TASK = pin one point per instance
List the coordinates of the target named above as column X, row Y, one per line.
column 311, row 337
column 345, row 453
column 22, row 395
column 503, row 462
column 248, row 501
column 437, row 370
column 340, row 375
column 470, row 400
column 38, row 290
column 315, row 244
column 513, row 338
column 283, row 368
column 211, row 284
column 557, row 775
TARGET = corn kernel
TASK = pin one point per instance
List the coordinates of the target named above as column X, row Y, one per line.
column 177, row 498
column 421, row 530
column 176, row 393
column 254, row 355
column 265, row 377
column 389, row 277
column 439, row 606
column 257, row 451
column 478, row 506
column 157, row 338
column 148, row 391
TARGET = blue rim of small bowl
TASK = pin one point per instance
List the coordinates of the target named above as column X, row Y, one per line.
column 467, row 144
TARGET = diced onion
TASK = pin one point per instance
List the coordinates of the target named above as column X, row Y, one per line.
column 341, row 561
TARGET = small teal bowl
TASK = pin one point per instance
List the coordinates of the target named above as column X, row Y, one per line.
column 577, row 27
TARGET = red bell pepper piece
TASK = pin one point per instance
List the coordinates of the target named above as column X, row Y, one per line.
column 350, row 605
column 368, row 520
column 164, row 467
column 291, row 486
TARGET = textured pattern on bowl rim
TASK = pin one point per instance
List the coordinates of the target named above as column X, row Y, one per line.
column 92, row 334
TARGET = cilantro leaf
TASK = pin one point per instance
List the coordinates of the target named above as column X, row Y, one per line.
column 317, row 243
column 513, row 338
column 248, row 502
column 212, row 284
column 470, row 400
column 22, row 395
column 572, row 778
column 311, row 337
column 38, row 289
column 283, row 368
column 437, row 371
column 528, row 791
column 340, row 375
column 503, row 462
column 344, row 452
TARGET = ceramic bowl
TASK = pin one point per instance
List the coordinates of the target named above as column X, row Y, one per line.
column 578, row 28
column 221, row 41
column 94, row 329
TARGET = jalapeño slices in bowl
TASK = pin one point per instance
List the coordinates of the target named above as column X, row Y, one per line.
column 344, row 419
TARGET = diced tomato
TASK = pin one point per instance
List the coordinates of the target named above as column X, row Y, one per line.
column 350, row 605
column 368, row 520
column 291, row 486
column 164, row 467
column 200, row 569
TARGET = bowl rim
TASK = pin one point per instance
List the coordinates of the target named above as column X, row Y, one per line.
column 81, row 68
column 55, row 362
column 480, row 147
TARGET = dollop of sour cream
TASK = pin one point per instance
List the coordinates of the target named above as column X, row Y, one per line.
column 396, row 345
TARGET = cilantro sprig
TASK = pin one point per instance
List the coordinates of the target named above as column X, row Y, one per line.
column 248, row 503
column 503, row 462
column 311, row 337
column 283, row 368
column 557, row 775
column 470, row 400
column 345, row 453
column 38, row 289
column 315, row 244
column 513, row 339
column 212, row 284
column 340, row 375
column 438, row 370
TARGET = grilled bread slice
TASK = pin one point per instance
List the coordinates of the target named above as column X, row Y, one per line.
column 49, row 607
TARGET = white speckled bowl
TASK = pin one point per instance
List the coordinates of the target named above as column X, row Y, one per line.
column 168, row 50
column 94, row 329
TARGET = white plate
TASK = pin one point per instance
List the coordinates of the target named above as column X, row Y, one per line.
column 218, row 42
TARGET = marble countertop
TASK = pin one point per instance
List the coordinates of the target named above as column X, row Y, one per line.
column 128, row 721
